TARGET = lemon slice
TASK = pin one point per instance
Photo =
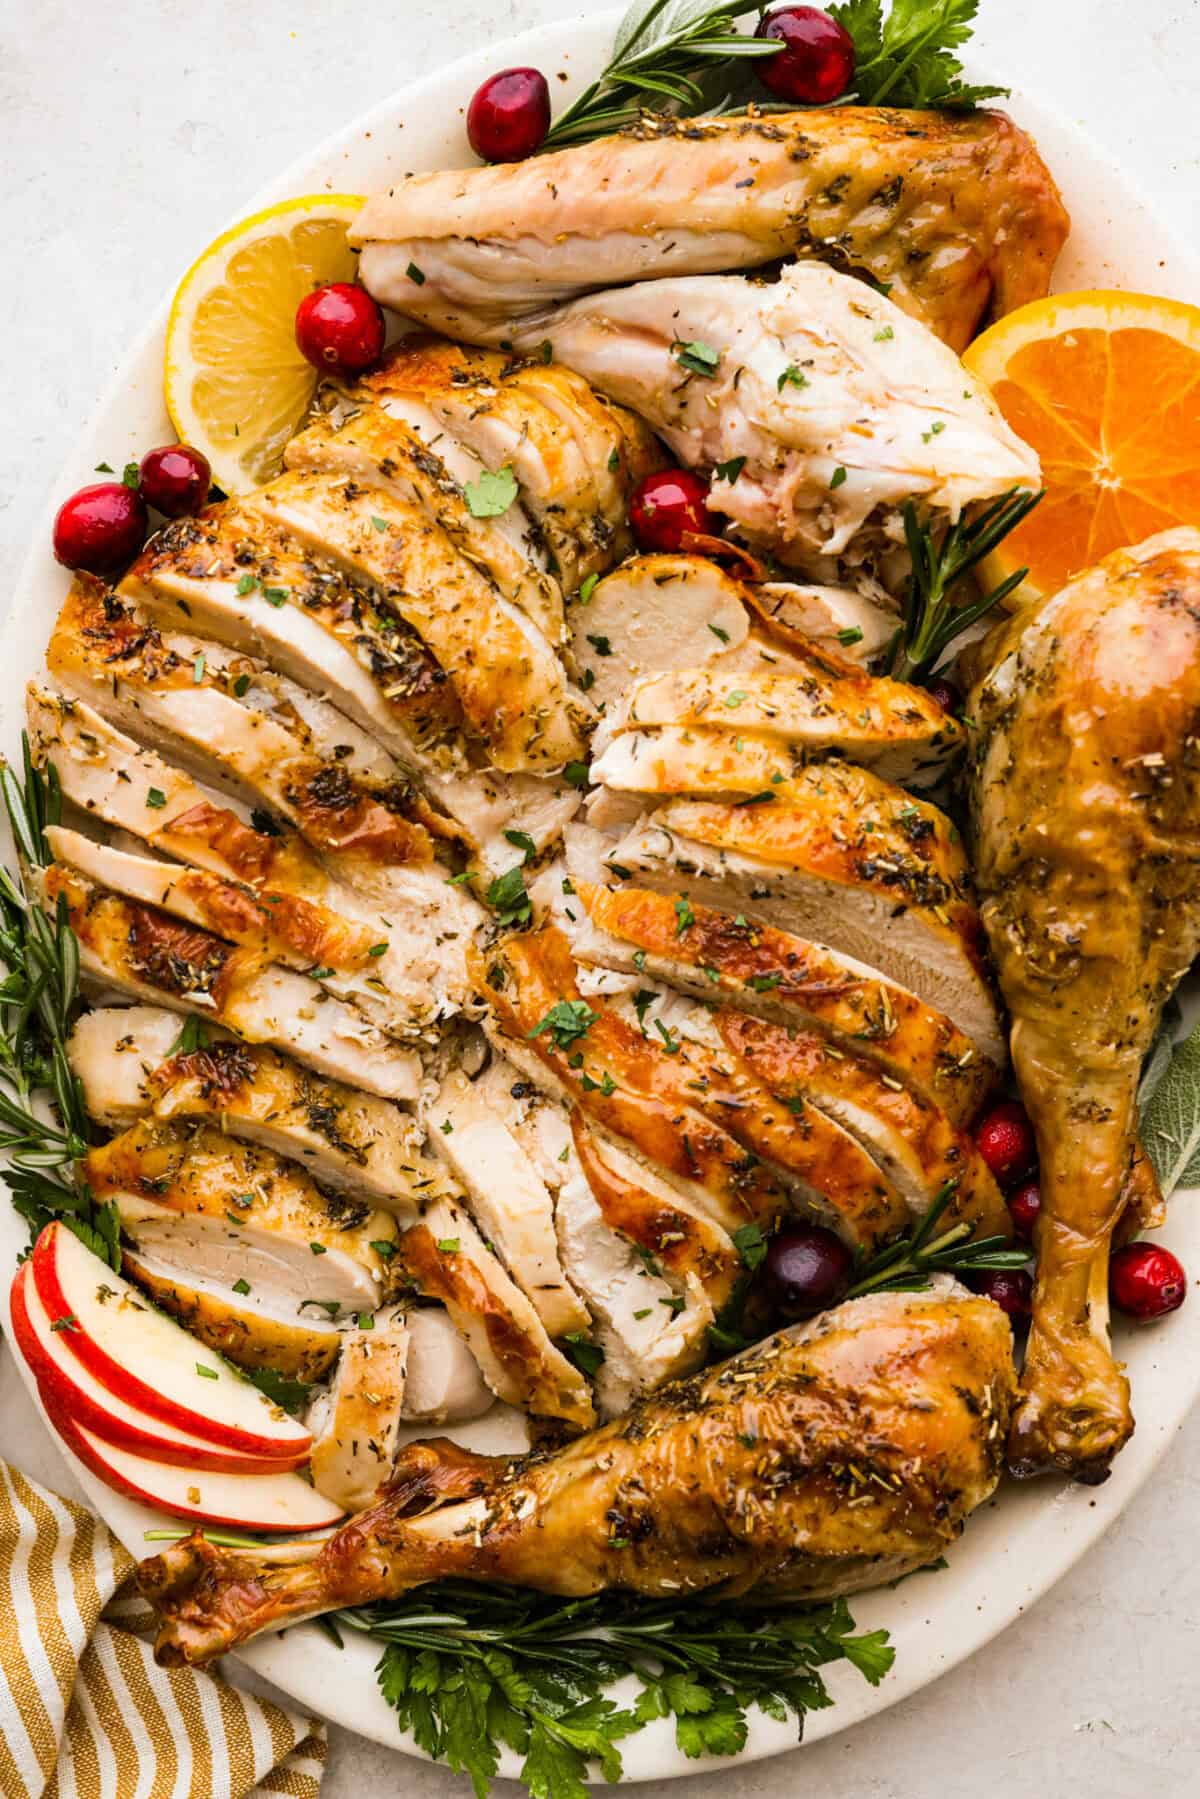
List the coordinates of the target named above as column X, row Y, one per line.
column 236, row 385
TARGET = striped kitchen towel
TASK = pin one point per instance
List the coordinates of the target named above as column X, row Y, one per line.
column 84, row 1711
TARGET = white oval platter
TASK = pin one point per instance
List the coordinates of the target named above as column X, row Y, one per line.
column 1030, row 1535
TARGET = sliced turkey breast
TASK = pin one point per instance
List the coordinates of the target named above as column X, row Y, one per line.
column 446, row 1259
column 784, row 979
column 645, row 1331
column 357, row 1428
column 888, row 909
column 229, row 1211
column 443, row 1385
column 507, row 1198
column 342, row 956
column 250, row 1329
column 654, row 613
column 144, row 954
column 132, row 1063
column 683, row 1103
column 798, row 615
column 911, row 1138
column 235, row 576
column 889, row 725
column 508, row 681
column 691, row 1250
column 507, row 423
column 381, row 449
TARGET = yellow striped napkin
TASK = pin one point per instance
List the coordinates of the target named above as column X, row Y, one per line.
column 84, row 1711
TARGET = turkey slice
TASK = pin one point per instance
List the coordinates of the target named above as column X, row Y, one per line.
column 141, row 953
column 131, row 1063
column 227, row 1211
column 356, row 1427
column 507, row 1197
column 889, row 911
column 249, row 1329
column 780, row 977
column 911, row 1138
column 447, row 1259
column 654, row 613
column 885, row 724
column 684, row 1103
column 508, row 681
column 645, row 1331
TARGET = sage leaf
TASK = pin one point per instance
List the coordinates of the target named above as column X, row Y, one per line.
column 1171, row 1121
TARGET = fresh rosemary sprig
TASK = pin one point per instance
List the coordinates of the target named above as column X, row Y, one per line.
column 930, row 621
column 664, row 55
column 905, row 1267
column 43, row 1122
column 470, row 1668
column 685, row 57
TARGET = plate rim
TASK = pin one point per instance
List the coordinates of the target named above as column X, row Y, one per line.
column 300, row 1662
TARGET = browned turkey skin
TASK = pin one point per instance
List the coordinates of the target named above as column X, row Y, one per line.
column 955, row 212
column 835, row 1455
column 1086, row 808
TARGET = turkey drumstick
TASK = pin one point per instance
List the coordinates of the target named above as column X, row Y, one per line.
column 1085, row 798
column 829, row 1458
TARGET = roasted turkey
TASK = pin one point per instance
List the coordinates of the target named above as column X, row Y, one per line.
column 830, row 1457
column 1086, row 809
column 955, row 212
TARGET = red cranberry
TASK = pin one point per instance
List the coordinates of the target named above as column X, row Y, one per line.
column 947, row 696
column 666, row 505
column 1006, row 1142
column 175, row 480
column 340, row 328
column 805, row 1269
column 817, row 61
column 1146, row 1281
column 1026, row 1205
column 1009, row 1288
column 100, row 528
column 509, row 115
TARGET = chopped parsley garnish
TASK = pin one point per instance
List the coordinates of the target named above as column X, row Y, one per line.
column 791, row 377
column 587, row 1356
column 521, row 840
column 156, row 798
column 751, row 1245
column 851, row 634
column 415, row 275
column 720, row 635
column 729, row 471
column 643, row 999
column 587, row 588
column 614, row 461
column 247, row 584
column 380, row 524
column 685, row 917
column 699, row 358
column 601, row 645
column 241, row 1286
column 837, row 478
column 208, row 1373
column 507, row 896
column 566, row 1021
column 449, row 1246
column 275, row 596
column 885, row 335
column 492, row 494
column 575, row 774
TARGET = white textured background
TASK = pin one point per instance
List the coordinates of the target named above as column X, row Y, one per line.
column 131, row 131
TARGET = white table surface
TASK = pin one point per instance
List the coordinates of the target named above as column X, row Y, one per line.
column 130, row 132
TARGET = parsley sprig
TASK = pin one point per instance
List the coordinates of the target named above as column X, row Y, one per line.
column 470, row 1669
column 687, row 57
column 931, row 621
column 43, row 1122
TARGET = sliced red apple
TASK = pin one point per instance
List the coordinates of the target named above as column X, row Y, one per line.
column 73, row 1389
column 115, row 1331
column 280, row 1502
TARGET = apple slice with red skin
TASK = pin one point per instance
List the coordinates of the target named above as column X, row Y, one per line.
column 69, row 1385
column 115, row 1331
column 280, row 1502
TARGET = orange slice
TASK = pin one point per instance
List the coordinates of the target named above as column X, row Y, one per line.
column 1106, row 388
